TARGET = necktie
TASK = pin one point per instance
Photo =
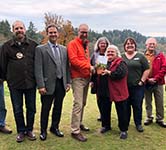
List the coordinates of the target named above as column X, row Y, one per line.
column 58, row 61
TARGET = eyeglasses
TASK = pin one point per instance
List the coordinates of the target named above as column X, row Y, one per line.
column 83, row 32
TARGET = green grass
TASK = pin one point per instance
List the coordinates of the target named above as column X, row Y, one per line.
column 153, row 138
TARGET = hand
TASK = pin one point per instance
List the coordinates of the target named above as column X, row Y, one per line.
column 152, row 81
column 68, row 87
column 92, row 69
column 42, row 91
column 105, row 71
column 91, row 84
column 140, row 83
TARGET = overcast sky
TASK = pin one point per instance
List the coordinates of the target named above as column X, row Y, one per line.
column 147, row 17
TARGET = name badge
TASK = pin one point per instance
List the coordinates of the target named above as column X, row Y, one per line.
column 136, row 58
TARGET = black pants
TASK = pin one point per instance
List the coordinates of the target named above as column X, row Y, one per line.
column 121, row 109
column 57, row 100
column 30, row 102
column 105, row 110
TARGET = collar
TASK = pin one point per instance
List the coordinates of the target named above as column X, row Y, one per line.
column 52, row 45
column 14, row 42
column 150, row 54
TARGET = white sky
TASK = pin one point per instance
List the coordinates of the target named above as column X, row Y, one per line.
column 147, row 17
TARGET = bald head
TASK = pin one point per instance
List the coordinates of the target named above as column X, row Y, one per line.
column 83, row 27
column 83, row 31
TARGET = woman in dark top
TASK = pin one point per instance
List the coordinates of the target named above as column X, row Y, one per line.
column 99, row 51
column 138, row 70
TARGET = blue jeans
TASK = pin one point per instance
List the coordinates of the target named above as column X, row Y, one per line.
column 2, row 106
column 135, row 100
column 30, row 102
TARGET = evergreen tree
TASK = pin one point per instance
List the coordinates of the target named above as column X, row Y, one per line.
column 5, row 29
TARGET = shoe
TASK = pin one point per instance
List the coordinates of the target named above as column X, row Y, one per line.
column 79, row 137
column 139, row 128
column 43, row 136
column 83, row 128
column 99, row 118
column 104, row 130
column 5, row 130
column 123, row 135
column 20, row 137
column 161, row 123
column 57, row 132
column 31, row 136
column 148, row 121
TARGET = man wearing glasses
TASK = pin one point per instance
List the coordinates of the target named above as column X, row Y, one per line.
column 80, row 69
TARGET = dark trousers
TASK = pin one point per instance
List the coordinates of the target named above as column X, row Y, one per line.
column 57, row 100
column 17, row 102
column 136, row 95
column 121, row 109
column 2, row 106
column 104, row 104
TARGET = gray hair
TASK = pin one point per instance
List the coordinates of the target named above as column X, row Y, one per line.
column 115, row 48
column 96, row 46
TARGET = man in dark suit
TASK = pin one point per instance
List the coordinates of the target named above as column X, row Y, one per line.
column 52, row 77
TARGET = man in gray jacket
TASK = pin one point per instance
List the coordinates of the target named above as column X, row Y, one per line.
column 52, row 77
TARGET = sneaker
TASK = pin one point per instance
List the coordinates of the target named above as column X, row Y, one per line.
column 123, row 135
column 104, row 130
column 148, row 121
column 161, row 123
column 139, row 128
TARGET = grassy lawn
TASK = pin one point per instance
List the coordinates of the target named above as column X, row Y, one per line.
column 153, row 138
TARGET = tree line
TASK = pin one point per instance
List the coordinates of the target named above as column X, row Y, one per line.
column 68, row 32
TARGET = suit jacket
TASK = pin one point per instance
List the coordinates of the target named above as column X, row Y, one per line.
column 45, row 67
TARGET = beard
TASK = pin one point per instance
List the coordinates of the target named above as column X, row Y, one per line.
column 19, row 36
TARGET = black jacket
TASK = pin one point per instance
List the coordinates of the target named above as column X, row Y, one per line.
column 17, row 62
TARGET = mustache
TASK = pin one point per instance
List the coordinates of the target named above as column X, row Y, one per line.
column 19, row 32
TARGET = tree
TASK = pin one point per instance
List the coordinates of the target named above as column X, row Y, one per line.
column 32, row 32
column 5, row 29
column 65, row 28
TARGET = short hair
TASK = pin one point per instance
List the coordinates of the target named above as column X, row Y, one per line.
column 115, row 48
column 96, row 46
column 83, row 25
column 131, row 40
column 151, row 39
column 16, row 22
column 51, row 25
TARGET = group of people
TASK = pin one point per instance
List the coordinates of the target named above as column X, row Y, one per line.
column 54, row 69
column 127, row 82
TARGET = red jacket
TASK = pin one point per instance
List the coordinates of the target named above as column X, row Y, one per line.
column 118, row 88
column 159, row 68
column 79, row 59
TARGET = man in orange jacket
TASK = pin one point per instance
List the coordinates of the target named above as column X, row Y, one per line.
column 80, row 69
